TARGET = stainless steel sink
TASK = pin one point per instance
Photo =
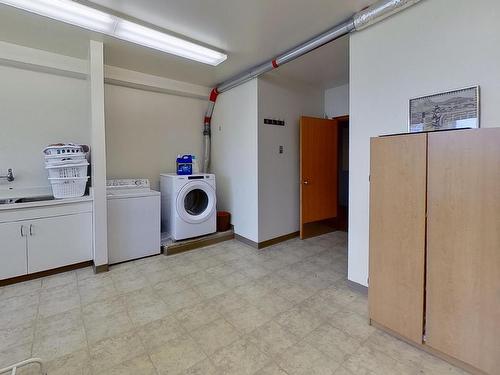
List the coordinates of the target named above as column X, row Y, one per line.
column 34, row 199
column 26, row 200
column 8, row 201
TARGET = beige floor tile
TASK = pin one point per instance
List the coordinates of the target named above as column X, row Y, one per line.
column 246, row 318
column 227, row 302
column 333, row 342
column 20, row 289
column 295, row 293
column 272, row 338
column 177, row 355
column 59, row 279
column 15, row 354
column 303, row 359
column 85, row 273
column 110, row 352
column 236, row 279
column 272, row 304
column 204, row 367
column 137, row 366
column 170, row 287
column 148, row 312
column 271, row 369
column 196, row 316
column 53, row 301
column 76, row 363
column 221, row 270
column 367, row 361
column 353, row 324
column 159, row 332
column 21, row 316
column 298, row 321
column 99, row 309
column 92, row 290
column 198, row 278
column 252, row 292
column 323, row 308
column 181, row 299
column 239, row 358
column 17, row 335
column 59, row 344
column 215, row 335
column 55, row 324
column 210, row 290
column 130, row 283
column 341, row 296
column 107, row 326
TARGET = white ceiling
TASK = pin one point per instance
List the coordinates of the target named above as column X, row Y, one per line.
column 249, row 31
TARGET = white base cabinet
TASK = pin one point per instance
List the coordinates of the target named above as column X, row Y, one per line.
column 41, row 239
column 59, row 241
column 13, row 252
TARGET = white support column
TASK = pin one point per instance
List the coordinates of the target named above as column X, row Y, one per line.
column 98, row 154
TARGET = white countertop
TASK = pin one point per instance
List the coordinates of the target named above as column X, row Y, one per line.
column 35, row 192
column 26, row 192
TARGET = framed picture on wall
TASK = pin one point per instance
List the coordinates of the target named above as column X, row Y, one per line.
column 455, row 109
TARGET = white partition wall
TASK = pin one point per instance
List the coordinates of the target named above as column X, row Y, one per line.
column 98, row 147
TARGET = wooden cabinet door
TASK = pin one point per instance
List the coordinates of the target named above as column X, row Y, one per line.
column 12, row 250
column 397, row 233
column 463, row 246
column 59, row 241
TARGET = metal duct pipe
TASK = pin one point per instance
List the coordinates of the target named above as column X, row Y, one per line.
column 373, row 14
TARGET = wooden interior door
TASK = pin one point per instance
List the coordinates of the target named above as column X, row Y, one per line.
column 397, row 233
column 318, row 170
column 463, row 246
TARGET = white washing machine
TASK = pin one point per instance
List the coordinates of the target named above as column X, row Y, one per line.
column 188, row 205
column 133, row 220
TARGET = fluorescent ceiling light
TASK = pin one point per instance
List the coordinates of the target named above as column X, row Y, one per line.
column 154, row 39
column 89, row 18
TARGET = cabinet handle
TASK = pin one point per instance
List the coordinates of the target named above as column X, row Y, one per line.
column 22, row 232
column 31, row 229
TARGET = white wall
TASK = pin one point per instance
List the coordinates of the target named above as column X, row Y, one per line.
column 432, row 47
column 146, row 130
column 337, row 101
column 235, row 157
column 37, row 109
column 279, row 183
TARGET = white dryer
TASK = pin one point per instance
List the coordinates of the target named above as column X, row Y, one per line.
column 188, row 205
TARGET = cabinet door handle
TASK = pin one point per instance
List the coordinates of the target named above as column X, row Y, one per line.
column 22, row 231
column 31, row 229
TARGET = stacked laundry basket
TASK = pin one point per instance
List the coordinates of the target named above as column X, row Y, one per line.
column 67, row 167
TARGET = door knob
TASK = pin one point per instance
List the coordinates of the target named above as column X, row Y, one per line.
column 306, row 182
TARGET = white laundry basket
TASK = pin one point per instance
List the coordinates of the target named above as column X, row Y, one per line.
column 68, row 187
column 67, row 170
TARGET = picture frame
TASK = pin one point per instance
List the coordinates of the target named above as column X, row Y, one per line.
column 455, row 109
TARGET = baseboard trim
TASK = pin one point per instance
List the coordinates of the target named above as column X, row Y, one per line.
column 267, row 243
column 428, row 349
column 37, row 275
column 100, row 268
column 357, row 287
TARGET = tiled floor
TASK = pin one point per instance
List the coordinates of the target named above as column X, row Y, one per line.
column 222, row 310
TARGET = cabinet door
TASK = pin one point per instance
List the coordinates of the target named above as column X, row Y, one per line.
column 463, row 246
column 59, row 241
column 12, row 250
column 397, row 233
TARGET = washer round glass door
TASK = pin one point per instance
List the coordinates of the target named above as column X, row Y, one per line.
column 196, row 202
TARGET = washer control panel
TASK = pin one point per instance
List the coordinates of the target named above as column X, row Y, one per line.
column 128, row 183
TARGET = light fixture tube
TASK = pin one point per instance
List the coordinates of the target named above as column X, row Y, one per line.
column 92, row 19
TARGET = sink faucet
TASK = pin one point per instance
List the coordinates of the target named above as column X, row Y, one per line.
column 9, row 176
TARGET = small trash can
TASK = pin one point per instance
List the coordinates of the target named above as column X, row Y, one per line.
column 223, row 221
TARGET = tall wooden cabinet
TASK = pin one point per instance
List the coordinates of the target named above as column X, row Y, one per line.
column 435, row 243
